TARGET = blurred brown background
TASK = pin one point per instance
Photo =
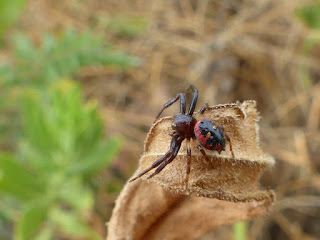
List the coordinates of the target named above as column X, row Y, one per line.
column 230, row 50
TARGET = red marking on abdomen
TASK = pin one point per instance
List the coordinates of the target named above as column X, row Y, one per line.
column 198, row 134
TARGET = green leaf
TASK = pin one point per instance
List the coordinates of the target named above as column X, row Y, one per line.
column 30, row 221
column 70, row 191
column 9, row 12
column 70, row 223
column 45, row 234
column 24, row 48
column 48, row 43
column 99, row 157
column 17, row 181
column 37, row 143
column 309, row 15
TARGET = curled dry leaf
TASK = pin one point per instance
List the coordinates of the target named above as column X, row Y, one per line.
column 220, row 193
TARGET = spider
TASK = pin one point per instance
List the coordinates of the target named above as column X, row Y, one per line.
column 209, row 134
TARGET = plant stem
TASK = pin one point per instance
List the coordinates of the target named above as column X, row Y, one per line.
column 240, row 230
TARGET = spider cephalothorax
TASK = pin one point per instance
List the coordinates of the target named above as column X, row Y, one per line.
column 209, row 134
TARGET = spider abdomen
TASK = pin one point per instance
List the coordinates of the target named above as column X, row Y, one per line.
column 210, row 135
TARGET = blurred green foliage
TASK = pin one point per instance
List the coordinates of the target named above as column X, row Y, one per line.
column 310, row 16
column 240, row 230
column 52, row 144
column 9, row 13
column 59, row 57
column 37, row 66
column 61, row 147
column 128, row 26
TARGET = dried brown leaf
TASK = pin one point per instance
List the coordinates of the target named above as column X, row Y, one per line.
column 163, row 208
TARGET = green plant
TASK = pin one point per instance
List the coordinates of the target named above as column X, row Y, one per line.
column 240, row 230
column 58, row 57
column 9, row 12
column 37, row 66
column 310, row 16
column 45, row 186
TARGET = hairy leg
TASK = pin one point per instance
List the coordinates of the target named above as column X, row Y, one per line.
column 194, row 100
column 166, row 162
column 174, row 146
column 154, row 165
column 204, row 107
column 188, row 165
column 205, row 155
column 229, row 142
column 182, row 98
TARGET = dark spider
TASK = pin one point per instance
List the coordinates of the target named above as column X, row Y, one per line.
column 210, row 135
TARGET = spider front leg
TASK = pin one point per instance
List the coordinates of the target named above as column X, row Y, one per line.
column 188, row 164
column 204, row 108
column 173, row 151
column 194, row 100
column 182, row 98
column 166, row 162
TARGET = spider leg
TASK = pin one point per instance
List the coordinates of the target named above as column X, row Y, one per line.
column 166, row 162
column 154, row 165
column 174, row 147
column 188, row 164
column 204, row 107
column 182, row 98
column 194, row 100
column 230, row 145
column 205, row 155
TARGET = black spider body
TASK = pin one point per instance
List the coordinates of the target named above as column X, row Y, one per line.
column 209, row 134
column 184, row 125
